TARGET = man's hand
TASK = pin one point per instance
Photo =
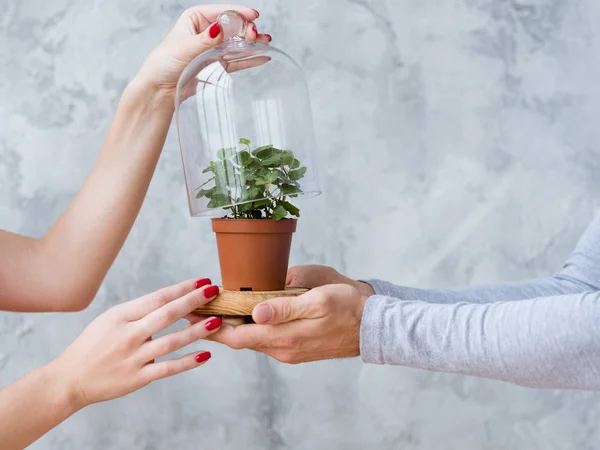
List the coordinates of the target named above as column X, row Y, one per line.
column 315, row 276
column 322, row 324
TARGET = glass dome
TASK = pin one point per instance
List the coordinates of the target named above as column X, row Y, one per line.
column 245, row 128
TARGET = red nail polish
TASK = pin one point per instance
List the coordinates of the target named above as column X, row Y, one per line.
column 256, row 12
column 214, row 30
column 202, row 357
column 269, row 37
column 211, row 291
column 202, row 282
column 213, row 324
column 255, row 30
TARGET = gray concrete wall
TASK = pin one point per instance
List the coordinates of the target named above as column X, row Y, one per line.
column 463, row 132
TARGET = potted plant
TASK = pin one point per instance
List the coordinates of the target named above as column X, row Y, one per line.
column 254, row 91
column 254, row 186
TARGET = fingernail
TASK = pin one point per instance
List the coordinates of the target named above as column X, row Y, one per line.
column 211, row 291
column 213, row 324
column 202, row 282
column 256, row 12
column 263, row 313
column 202, row 357
column 214, row 30
column 269, row 37
column 255, row 30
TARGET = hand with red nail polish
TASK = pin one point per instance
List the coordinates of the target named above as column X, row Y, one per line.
column 195, row 32
column 115, row 354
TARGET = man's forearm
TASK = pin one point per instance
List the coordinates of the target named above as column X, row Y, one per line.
column 33, row 405
column 551, row 342
column 64, row 269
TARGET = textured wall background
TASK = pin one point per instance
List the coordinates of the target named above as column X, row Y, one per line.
column 458, row 145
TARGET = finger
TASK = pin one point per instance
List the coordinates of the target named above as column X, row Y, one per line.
column 247, row 63
column 251, row 32
column 245, row 336
column 177, row 309
column 194, row 318
column 209, row 38
column 141, row 307
column 164, row 369
column 264, row 38
column 300, row 277
column 287, row 309
column 179, row 339
column 292, row 276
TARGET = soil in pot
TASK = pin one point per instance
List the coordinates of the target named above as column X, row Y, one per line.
column 254, row 253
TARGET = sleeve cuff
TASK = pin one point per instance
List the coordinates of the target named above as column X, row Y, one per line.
column 379, row 286
column 371, row 329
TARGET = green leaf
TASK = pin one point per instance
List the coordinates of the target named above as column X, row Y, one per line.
column 267, row 179
column 244, row 141
column 288, row 189
column 204, row 193
column 273, row 161
column 297, row 174
column 225, row 153
column 246, row 207
column 287, row 157
column 279, row 213
column 210, row 168
column 290, row 208
column 295, row 164
column 263, row 152
column 218, row 201
column 281, row 175
column 243, row 158
column 262, row 203
column 251, row 193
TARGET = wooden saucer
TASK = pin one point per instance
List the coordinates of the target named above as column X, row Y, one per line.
column 236, row 306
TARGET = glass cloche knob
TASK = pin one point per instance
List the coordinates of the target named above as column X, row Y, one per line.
column 233, row 25
column 245, row 127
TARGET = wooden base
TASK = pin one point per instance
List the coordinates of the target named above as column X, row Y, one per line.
column 236, row 306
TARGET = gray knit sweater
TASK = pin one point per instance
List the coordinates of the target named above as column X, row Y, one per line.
column 542, row 333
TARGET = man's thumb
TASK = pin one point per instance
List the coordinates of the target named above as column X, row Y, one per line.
column 281, row 310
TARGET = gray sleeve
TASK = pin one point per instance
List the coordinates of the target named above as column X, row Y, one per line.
column 551, row 342
column 580, row 274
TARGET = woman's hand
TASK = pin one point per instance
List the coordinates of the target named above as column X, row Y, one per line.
column 115, row 354
column 194, row 33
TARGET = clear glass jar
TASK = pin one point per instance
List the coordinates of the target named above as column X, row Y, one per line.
column 245, row 128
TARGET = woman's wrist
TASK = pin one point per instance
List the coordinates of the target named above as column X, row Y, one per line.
column 64, row 393
column 143, row 91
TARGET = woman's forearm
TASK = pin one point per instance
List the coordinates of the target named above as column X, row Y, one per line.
column 64, row 269
column 551, row 342
column 35, row 404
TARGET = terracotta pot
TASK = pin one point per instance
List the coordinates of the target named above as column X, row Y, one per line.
column 254, row 253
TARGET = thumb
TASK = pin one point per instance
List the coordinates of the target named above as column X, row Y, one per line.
column 282, row 310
